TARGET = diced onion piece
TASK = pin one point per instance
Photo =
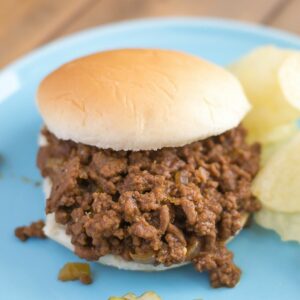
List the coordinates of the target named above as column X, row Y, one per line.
column 76, row 271
column 145, row 258
column 193, row 249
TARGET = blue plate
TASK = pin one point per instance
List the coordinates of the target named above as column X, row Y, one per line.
column 271, row 268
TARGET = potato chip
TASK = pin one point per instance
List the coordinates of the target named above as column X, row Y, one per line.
column 276, row 138
column 271, row 80
column 149, row 296
column 131, row 296
column 285, row 224
column 289, row 79
column 277, row 184
column 281, row 133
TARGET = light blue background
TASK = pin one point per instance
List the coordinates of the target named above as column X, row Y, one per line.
column 271, row 268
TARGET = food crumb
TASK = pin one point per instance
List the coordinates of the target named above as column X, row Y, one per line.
column 35, row 229
column 85, row 279
column 26, row 179
column 37, row 183
column 76, row 271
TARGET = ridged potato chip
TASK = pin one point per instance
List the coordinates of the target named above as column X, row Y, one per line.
column 276, row 138
column 270, row 77
column 149, row 296
column 277, row 184
column 131, row 296
column 285, row 224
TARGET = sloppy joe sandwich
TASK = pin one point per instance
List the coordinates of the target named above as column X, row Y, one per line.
column 145, row 162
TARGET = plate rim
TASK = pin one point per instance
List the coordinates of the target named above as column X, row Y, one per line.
column 112, row 27
column 216, row 24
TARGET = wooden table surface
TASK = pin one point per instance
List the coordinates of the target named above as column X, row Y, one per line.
column 27, row 24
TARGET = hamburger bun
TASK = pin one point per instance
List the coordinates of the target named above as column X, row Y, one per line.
column 138, row 99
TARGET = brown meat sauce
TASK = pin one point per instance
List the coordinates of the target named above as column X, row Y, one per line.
column 165, row 206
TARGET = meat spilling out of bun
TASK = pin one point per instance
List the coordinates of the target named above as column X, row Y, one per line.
column 57, row 232
column 145, row 161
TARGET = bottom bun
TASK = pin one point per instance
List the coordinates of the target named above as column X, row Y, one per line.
column 57, row 232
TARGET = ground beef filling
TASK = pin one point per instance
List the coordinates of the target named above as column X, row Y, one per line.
column 160, row 207
column 35, row 229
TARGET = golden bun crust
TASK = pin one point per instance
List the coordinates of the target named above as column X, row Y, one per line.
column 140, row 99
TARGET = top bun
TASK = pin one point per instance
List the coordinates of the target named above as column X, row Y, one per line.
column 140, row 99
